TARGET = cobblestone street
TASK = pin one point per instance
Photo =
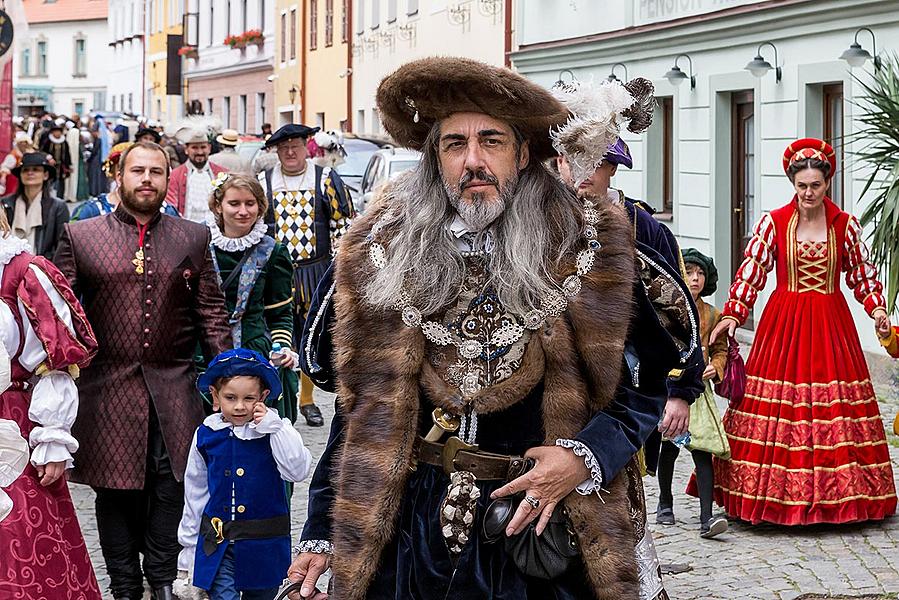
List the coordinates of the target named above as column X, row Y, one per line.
column 755, row 563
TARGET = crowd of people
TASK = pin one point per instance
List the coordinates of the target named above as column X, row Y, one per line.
column 514, row 344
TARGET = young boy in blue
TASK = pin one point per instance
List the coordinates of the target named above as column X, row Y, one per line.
column 235, row 529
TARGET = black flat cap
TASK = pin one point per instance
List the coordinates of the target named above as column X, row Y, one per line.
column 147, row 131
column 290, row 131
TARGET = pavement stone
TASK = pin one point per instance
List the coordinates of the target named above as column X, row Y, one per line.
column 760, row 562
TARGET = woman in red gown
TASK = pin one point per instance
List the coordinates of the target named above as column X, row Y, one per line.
column 807, row 442
column 47, row 337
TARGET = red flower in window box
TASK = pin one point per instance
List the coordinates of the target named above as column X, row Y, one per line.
column 188, row 51
column 235, row 41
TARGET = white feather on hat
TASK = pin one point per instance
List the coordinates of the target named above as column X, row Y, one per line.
column 194, row 129
column 594, row 123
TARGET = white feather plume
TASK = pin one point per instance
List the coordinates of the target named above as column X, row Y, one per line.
column 593, row 126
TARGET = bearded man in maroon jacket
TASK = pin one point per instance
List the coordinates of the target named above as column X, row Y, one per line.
column 150, row 290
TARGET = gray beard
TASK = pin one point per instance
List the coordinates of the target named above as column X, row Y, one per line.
column 480, row 213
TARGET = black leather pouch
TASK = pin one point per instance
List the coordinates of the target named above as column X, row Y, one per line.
column 546, row 556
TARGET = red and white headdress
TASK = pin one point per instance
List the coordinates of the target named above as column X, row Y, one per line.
column 810, row 148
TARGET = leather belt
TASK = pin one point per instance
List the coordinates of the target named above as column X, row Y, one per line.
column 456, row 455
column 214, row 531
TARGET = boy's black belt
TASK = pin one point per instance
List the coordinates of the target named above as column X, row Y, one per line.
column 214, row 531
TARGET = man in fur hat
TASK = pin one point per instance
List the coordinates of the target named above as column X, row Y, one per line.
column 191, row 184
column 490, row 377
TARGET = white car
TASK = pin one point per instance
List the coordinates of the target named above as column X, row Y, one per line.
column 384, row 165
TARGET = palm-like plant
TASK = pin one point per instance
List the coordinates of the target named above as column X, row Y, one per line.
column 879, row 136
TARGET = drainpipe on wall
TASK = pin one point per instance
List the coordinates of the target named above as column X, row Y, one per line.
column 303, row 66
column 143, row 60
column 349, row 63
column 507, row 54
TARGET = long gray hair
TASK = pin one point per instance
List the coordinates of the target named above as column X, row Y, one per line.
column 540, row 226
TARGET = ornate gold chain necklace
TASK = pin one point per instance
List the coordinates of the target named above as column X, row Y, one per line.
column 551, row 305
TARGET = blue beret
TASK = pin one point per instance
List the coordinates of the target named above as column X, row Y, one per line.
column 241, row 362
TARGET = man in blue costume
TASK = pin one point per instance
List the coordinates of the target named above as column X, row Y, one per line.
column 478, row 329
column 685, row 382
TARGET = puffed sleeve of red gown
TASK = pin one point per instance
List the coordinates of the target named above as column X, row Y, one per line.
column 58, row 341
column 759, row 259
column 861, row 274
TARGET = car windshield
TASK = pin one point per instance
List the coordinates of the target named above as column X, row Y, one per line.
column 398, row 166
column 356, row 161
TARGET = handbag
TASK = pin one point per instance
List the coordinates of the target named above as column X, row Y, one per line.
column 706, row 431
column 546, row 556
column 733, row 385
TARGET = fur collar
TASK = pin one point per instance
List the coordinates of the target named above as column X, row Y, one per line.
column 577, row 356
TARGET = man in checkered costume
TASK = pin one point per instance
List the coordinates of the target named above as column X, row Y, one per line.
column 309, row 209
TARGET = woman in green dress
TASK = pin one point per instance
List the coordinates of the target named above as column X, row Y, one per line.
column 256, row 276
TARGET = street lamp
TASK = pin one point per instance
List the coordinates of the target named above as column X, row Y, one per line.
column 292, row 93
column 676, row 77
column 856, row 56
column 612, row 77
column 758, row 66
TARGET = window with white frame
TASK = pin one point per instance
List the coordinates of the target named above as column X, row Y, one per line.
column 242, row 113
column 360, row 16
column 25, row 67
column 226, row 111
column 283, row 37
column 260, row 110
column 375, row 14
column 293, row 34
column 313, row 24
column 42, row 58
column 329, row 22
column 80, row 67
column 391, row 11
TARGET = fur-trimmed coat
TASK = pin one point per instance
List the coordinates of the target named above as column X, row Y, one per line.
column 382, row 373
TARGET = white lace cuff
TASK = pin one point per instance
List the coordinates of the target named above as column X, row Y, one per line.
column 315, row 546
column 594, row 484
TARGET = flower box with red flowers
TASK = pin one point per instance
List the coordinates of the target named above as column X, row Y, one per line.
column 188, row 52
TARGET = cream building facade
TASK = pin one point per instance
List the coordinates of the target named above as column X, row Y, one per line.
column 711, row 163
column 388, row 33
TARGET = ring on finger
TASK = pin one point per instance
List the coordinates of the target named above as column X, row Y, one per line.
column 535, row 504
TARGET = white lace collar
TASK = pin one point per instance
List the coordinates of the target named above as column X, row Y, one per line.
column 11, row 246
column 236, row 244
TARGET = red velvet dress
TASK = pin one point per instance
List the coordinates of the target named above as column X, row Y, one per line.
column 807, row 442
column 42, row 552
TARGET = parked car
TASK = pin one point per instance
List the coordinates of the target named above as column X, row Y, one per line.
column 384, row 165
column 248, row 146
column 358, row 153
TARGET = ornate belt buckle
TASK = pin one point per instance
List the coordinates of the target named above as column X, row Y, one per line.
column 452, row 447
column 217, row 526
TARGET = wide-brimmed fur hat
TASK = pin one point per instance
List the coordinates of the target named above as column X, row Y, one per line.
column 422, row 92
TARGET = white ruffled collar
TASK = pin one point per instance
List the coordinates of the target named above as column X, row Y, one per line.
column 220, row 241
column 11, row 246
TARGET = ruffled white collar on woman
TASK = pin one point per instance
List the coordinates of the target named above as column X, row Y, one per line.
column 220, row 241
column 11, row 246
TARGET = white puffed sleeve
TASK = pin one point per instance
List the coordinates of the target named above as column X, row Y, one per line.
column 13, row 459
column 290, row 453
column 54, row 400
column 196, row 496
